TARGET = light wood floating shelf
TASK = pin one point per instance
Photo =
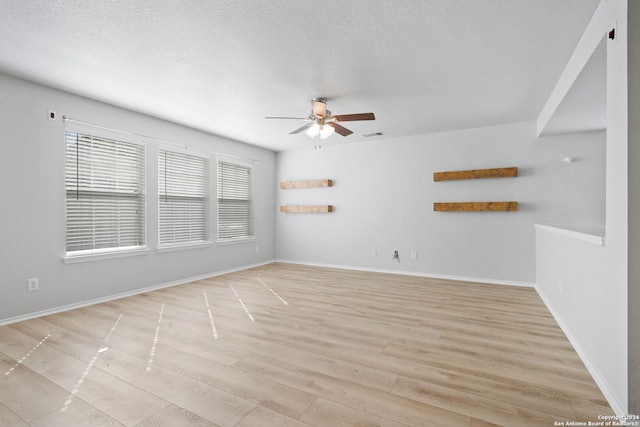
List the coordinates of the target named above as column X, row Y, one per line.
column 476, row 207
column 306, row 208
column 476, row 174
column 310, row 183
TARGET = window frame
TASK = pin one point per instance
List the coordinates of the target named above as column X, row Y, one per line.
column 244, row 164
column 165, row 247
column 116, row 251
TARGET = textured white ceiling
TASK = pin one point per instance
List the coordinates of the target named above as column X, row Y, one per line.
column 223, row 65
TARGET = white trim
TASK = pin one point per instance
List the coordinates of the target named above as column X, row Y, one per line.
column 417, row 274
column 108, row 298
column 223, row 242
column 172, row 248
column 589, row 234
column 86, row 256
column 617, row 406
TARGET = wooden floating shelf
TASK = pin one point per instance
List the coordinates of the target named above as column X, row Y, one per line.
column 310, row 183
column 306, row 208
column 476, row 207
column 476, row 174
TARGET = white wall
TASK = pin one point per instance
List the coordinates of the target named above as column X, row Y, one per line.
column 384, row 192
column 32, row 205
column 585, row 286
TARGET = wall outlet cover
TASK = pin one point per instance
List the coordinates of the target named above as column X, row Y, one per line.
column 33, row 284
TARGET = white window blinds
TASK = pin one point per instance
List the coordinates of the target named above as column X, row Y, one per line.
column 235, row 201
column 183, row 198
column 105, row 199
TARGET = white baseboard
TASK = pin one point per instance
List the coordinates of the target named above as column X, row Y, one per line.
column 618, row 407
column 125, row 294
column 416, row 273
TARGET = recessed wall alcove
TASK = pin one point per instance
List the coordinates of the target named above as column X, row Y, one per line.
column 581, row 108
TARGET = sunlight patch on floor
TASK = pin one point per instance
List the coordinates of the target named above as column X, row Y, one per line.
column 272, row 291
column 213, row 325
column 242, row 303
column 154, row 345
column 102, row 349
column 26, row 355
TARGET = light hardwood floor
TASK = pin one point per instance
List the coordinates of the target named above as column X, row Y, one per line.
column 289, row 345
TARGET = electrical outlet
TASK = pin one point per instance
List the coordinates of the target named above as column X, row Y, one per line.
column 33, row 284
column 414, row 255
column 374, row 252
column 257, row 248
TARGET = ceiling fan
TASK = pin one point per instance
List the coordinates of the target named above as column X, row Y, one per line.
column 321, row 122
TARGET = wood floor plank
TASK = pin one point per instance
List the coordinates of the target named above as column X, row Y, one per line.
column 480, row 423
column 383, row 404
column 474, row 406
column 265, row 392
column 112, row 396
column 345, row 371
column 292, row 345
column 8, row 418
column 198, row 398
column 482, row 366
column 264, row 417
column 78, row 413
column 589, row 408
column 173, row 416
column 327, row 413
column 201, row 399
column 544, row 397
column 27, row 394
column 196, row 338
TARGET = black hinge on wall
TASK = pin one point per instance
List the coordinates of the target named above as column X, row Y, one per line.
column 612, row 34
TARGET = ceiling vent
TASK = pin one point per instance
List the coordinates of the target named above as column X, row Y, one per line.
column 369, row 135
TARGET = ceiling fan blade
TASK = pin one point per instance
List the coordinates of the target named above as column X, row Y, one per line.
column 300, row 129
column 291, row 118
column 354, row 117
column 340, row 129
column 319, row 107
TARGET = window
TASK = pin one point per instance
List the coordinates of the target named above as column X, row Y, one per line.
column 105, row 197
column 235, row 201
column 183, row 198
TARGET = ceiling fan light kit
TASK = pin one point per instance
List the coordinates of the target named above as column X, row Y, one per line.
column 322, row 122
column 313, row 130
column 325, row 130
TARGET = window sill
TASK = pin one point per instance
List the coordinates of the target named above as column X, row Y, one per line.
column 588, row 233
column 86, row 257
column 224, row 242
column 172, row 248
